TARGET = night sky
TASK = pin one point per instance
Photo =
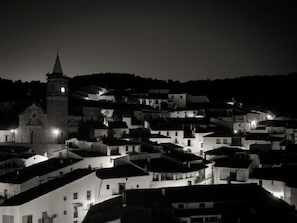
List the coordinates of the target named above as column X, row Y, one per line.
column 179, row 40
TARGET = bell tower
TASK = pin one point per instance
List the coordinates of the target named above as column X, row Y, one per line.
column 57, row 103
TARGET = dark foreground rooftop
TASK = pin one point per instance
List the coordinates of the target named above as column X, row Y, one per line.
column 45, row 188
column 126, row 170
column 235, row 203
column 39, row 169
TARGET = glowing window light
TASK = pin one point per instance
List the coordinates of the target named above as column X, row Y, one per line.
column 269, row 117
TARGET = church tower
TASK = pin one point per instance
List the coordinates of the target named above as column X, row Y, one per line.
column 57, row 104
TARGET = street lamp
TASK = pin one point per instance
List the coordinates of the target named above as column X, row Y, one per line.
column 253, row 124
column 13, row 132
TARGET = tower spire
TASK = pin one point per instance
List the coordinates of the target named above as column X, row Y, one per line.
column 57, row 67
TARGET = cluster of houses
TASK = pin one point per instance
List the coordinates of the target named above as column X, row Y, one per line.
column 96, row 149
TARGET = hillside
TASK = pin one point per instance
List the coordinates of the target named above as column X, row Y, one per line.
column 275, row 92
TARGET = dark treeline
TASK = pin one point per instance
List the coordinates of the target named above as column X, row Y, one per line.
column 276, row 92
column 116, row 81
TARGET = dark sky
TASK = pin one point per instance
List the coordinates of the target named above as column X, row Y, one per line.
column 179, row 40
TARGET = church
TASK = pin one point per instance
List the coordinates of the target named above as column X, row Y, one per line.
column 37, row 125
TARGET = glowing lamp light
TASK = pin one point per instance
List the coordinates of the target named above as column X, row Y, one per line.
column 12, row 130
column 253, row 123
column 235, row 131
column 63, row 89
column 269, row 117
column 56, row 132
column 277, row 194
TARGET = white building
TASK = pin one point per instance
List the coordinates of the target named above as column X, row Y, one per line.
column 64, row 199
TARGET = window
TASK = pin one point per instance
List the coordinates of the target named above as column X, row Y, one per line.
column 127, row 148
column 75, row 195
column 218, row 141
column 88, row 195
column 176, row 133
column 201, row 145
column 167, row 133
column 181, row 97
column 107, row 186
column 75, row 212
column 65, row 198
column 8, row 219
column 225, row 141
column 65, row 212
column 201, row 152
column 27, row 219
column 202, row 205
column 189, row 142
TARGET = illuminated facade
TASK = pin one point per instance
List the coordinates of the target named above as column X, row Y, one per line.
column 37, row 126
